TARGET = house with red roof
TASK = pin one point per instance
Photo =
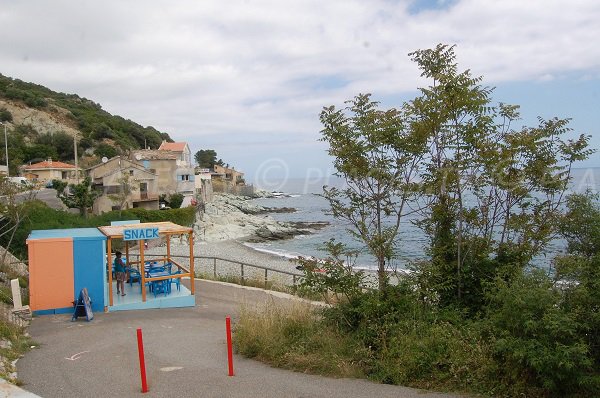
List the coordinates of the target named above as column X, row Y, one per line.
column 182, row 149
column 49, row 170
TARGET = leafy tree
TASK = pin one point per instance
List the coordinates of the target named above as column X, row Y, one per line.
column 491, row 196
column 61, row 142
column 79, row 196
column 207, row 158
column 175, row 200
column 378, row 156
column 126, row 188
column 578, row 272
column 104, row 149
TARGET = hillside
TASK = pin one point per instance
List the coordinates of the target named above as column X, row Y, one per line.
column 41, row 124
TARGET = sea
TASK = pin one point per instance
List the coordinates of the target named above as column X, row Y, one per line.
column 303, row 195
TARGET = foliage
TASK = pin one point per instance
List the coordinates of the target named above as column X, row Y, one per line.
column 207, row 158
column 535, row 341
column 126, row 188
column 89, row 117
column 175, row 200
column 78, row 196
column 61, row 142
column 474, row 316
column 294, row 338
column 578, row 272
column 38, row 216
column 491, row 196
column 377, row 155
column 104, row 149
column 5, row 115
column 333, row 275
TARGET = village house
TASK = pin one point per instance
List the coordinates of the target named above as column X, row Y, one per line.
column 229, row 175
column 49, row 170
column 174, row 176
column 110, row 176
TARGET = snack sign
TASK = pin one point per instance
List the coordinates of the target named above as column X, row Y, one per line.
column 140, row 233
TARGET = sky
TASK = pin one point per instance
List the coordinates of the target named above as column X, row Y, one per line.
column 249, row 78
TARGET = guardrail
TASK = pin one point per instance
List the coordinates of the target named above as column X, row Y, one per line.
column 243, row 268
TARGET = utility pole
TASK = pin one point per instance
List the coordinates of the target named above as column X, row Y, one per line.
column 6, row 148
column 75, row 150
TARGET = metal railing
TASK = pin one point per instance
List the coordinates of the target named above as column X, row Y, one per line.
column 212, row 262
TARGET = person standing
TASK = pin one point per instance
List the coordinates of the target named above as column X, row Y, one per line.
column 120, row 273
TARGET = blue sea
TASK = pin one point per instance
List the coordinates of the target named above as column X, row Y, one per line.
column 311, row 207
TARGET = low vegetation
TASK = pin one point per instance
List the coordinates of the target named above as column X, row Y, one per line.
column 37, row 215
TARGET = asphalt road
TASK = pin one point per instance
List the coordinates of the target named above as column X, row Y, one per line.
column 46, row 195
column 185, row 356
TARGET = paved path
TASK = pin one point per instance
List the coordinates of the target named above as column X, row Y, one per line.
column 185, row 356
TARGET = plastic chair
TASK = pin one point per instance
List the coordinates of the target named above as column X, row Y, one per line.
column 134, row 276
column 176, row 281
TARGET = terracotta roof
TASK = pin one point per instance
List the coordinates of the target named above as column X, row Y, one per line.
column 151, row 154
column 49, row 165
column 172, row 146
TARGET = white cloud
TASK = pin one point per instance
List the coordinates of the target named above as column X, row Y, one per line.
column 195, row 68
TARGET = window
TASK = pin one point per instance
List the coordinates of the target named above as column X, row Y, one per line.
column 130, row 172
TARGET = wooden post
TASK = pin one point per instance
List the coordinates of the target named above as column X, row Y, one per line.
column 109, row 264
column 168, row 236
column 192, row 272
column 142, row 269
column 127, row 251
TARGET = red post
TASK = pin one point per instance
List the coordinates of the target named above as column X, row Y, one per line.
column 142, row 361
column 229, row 347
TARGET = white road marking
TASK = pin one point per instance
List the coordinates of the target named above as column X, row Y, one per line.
column 170, row 368
column 75, row 357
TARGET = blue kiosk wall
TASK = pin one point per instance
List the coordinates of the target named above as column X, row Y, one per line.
column 88, row 267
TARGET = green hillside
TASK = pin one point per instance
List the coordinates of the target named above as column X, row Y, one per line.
column 61, row 116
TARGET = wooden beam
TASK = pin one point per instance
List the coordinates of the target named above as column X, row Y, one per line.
column 142, row 269
column 168, row 247
column 109, row 264
column 192, row 274
column 127, row 252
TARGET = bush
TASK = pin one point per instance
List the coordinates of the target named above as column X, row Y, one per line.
column 175, row 200
column 535, row 342
column 39, row 216
column 5, row 115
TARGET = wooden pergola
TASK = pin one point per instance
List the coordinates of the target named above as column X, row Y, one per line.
column 166, row 230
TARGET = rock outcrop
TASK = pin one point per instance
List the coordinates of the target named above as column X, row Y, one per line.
column 235, row 217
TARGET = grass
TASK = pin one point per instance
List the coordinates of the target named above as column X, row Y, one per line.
column 20, row 343
column 293, row 337
column 252, row 282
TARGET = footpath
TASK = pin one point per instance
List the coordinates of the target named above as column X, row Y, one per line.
column 185, row 356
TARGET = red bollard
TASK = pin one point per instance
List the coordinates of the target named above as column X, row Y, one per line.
column 229, row 347
column 142, row 361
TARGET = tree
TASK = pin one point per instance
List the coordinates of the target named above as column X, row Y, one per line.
column 207, row 159
column 79, row 196
column 5, row 115
column 378, row 156
column 491, row 196
column 126, row 188
column 175, row 200
column 104, row 149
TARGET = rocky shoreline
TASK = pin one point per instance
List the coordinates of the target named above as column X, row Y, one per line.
column 231, row 217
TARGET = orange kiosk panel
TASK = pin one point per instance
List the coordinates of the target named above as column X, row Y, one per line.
column 51, row 276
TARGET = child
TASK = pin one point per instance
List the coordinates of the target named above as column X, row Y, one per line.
column 120, row 274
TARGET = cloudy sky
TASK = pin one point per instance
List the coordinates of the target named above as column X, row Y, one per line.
column 249, row 78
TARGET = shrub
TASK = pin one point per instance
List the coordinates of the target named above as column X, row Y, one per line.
column 5, row 115
column 175, row 200
column 535, row 342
